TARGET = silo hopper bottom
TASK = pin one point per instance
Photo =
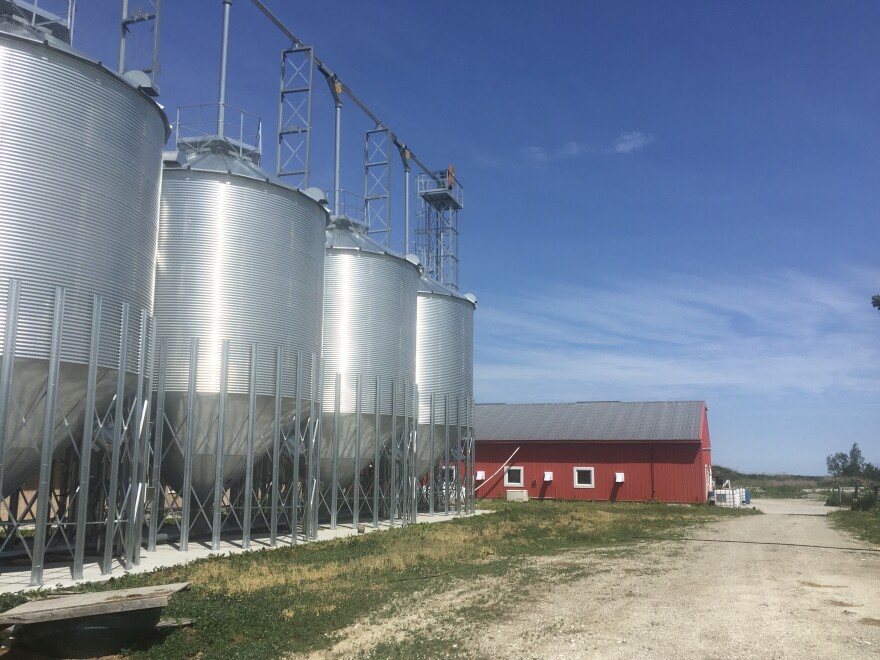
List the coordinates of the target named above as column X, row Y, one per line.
column 23, row 437
column 426, row 459
column 346, row 465
column 204, row 436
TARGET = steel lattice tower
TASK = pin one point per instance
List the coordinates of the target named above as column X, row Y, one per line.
column 441, row 198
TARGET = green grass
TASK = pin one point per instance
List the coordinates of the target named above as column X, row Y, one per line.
column 419, row 645
column 268, row 603
column 864, row 525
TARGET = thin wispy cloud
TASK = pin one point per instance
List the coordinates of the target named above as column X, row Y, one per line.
column 626, row 143
column 569, row 150
column 781, row 334
column 632, row 141
column 490, row 162
column 536, row 154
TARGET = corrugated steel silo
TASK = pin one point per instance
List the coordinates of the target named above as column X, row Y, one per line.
column 369, row 331
column 80, row 167
column 241, row 257
column 444, row 367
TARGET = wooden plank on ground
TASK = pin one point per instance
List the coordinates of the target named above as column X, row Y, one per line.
column 91, row 604
column 171, row 624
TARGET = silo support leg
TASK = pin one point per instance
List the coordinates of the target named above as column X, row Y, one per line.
column 119, row 413
column 85, row 453
column 314, row 472
column 392, row 509
column 276, row 450
column 446, row 483
column 12, row 299
column 432, row 463
column 377, row 441
column 43, row 494
column 217, row 517
column 155, row 512
column 358, row 486
column 135, row 457
column 6, row 372
column 249, row 469
column 334, row 486
column 459, row 477
column 297, row 449
column 189, row 442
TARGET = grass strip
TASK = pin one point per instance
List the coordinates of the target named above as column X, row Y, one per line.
column 864, row 525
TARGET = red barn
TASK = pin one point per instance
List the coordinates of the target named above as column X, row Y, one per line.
column 604, row 450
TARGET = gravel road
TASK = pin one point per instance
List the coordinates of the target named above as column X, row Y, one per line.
column 781, row 585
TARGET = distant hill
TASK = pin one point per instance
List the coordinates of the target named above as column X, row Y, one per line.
column 773, row 485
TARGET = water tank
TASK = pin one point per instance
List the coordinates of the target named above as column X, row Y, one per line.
column 241, row 258
column 80, row 167
column 444, row 368
column 369, row 330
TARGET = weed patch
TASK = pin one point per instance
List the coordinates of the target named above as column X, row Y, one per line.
column 864, row 525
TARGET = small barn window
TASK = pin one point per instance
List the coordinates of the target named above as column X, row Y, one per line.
column 513, row 476
column 583, row 477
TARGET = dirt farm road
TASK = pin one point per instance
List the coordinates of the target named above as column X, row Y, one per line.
column 742, row 593
column 781, row 585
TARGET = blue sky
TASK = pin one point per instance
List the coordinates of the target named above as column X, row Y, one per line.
column 663, row 200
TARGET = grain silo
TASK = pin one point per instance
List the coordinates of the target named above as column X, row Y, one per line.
column 80, row 166
column 239, row 295
column 444, row 369
column 241, row 258
column 370, row 335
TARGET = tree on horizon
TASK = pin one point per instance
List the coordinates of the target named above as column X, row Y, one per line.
column 852, row 465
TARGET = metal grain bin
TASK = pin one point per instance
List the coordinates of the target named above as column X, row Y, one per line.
column 80, row 166
column 369, row 331
column 241, row 258
column 444, row 368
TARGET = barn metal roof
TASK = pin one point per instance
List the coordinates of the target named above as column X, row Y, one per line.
column 589, row 421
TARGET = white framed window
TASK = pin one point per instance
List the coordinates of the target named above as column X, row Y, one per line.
column 513, row 476
column 584, row 477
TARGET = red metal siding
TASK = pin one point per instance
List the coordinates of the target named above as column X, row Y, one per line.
column 664, row 471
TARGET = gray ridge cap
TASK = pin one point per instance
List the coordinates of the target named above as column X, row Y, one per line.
column 613, row 421
column 428, row 284
column 431, row 287
column 216, row 161
column 220, row 162
column 344, row 234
